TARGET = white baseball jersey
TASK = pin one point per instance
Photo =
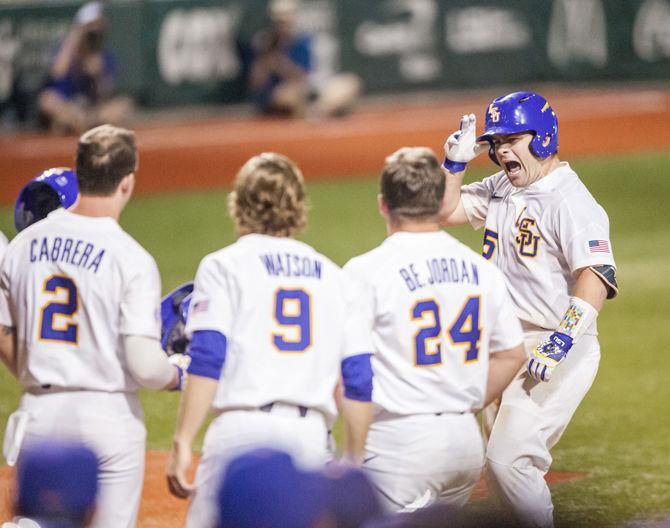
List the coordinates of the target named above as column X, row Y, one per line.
column 72, row 286
column 539, row 236
column 3, row 244
column 437, row 309
column 281, row 306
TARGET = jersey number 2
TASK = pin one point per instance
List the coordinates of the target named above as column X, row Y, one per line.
column 293, row 313
column 464, row 330
column 56, row 316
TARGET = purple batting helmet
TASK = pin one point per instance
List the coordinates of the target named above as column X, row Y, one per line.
column 522, row 112
column 174, row 311
column 52, row 189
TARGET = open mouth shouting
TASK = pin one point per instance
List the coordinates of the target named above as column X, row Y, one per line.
column 512, row 168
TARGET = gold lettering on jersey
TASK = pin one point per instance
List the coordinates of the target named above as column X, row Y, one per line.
column 494, row 113
column 527, row 241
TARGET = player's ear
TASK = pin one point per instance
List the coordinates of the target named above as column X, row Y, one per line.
column 383, row 206
column 128, row 184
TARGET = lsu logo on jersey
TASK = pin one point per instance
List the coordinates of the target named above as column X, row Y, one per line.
column 526, row 240
column 494, row 113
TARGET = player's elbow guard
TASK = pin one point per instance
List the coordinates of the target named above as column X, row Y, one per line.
column 357, row 377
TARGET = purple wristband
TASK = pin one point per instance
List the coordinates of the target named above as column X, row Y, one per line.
column 453, row 166
column 180, row 383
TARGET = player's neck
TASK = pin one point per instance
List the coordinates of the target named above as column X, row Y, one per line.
column 98, row 206
column 550, row 165
column 412, row 227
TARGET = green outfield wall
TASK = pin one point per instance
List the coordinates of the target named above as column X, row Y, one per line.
column 174, row 52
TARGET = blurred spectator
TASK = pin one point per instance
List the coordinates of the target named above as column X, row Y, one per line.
column 57, row 485
column 79, row 93
column 352, row 501
column 263, row 488
column 281, row 64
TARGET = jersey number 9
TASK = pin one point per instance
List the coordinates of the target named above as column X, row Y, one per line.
column 56, row 317
column 293, row 313
column 464, row 330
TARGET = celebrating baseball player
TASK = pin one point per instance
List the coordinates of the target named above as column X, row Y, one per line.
column 79, row 300
column 267, row 328
column 442, row 321
column 550, row 238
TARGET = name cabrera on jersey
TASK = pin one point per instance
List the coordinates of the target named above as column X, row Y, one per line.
column 72, row 286
column 539, row 236
column 438, row 309
column 281, row 306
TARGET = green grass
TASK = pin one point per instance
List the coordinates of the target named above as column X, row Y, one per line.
column 617, row 437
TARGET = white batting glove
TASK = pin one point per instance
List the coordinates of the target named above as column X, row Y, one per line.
column 546, row 356
column 181, row 362
column 461, row 147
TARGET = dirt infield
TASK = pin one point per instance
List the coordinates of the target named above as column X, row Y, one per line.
column 159, row 509
column 205, row 154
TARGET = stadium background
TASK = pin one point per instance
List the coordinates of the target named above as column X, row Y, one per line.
column 604, row 65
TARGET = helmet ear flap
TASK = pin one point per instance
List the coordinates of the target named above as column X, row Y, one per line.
column 540, row 147
column 492, row 151
column 492, row 155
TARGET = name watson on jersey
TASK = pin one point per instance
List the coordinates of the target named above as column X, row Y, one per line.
column 437, row 271
column 78, row 253
column 291, row 265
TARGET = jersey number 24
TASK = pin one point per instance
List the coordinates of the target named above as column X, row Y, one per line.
column 464, row 330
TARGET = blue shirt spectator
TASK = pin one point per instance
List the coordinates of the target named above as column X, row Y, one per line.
column 80, row 91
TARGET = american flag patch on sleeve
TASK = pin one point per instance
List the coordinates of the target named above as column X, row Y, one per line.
column 599, row 246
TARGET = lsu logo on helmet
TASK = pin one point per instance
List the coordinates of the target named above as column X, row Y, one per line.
column 494, row 113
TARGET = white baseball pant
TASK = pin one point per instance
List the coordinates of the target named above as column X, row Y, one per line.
column 530, row 421
column 417, row 459
column 305, row 438
column 111, row 424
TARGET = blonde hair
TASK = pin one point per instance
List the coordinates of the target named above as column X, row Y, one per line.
column 412, row 183
column 268, row 197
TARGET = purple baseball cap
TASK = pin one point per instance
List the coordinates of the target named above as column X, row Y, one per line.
column 263, row 488
column 56, row 480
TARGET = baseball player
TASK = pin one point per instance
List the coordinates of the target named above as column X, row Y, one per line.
column 266, row 323
column 550, row 238
column 80, row 328
column 53, row 188
column 3, row 245
column 445, row 342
